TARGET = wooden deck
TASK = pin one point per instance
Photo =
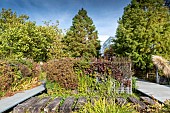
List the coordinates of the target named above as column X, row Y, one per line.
column 153, row 90
column 73, row 104
column 48, row 105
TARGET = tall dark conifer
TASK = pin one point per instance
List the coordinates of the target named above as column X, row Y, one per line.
column 144, row 30
column 81, row 40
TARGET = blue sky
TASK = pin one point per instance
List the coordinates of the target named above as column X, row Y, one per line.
column 105, row 13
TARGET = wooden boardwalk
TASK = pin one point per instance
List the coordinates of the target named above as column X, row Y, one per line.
column 153, row 90
column 74, row 104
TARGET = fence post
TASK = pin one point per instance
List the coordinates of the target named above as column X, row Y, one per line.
column 130, row 80
column 157, row 75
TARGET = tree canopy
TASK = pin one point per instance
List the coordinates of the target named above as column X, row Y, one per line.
column 143, row 30
column 81, row 40
column 21, row 38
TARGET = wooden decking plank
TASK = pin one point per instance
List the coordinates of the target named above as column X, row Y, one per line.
column 141, row 105
column 148, row 100
column 67, row 105
column 39, row 105
column 121, row 101
column 80, row 103
column 53, row 106
column 21, row 108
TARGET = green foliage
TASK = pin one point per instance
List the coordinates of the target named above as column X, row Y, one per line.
column 143, row 30
column 20, row 38
column 104, row 105
column 62, row 72
column 81, row 40
column 134, row 86
column 88, row 86
column 55, row 90
column 166, row 107
column 53, row 35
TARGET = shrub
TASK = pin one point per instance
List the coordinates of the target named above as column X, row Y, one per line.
column 166, row 107
column 117, row 68
column 61, row 71
column 103, row 105
column 8, row 75
column 16, row 76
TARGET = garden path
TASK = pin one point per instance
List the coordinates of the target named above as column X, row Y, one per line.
column 154, row 90
column 10, row 102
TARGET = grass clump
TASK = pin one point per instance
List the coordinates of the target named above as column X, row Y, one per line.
column 103, row 105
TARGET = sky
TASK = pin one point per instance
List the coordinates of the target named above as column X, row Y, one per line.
column 104, row 13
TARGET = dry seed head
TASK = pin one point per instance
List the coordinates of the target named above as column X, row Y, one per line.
column 162, row 64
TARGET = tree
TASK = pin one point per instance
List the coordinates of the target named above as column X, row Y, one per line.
column 81, row 40
column 53, row 37
column 21, row 38
column 167, row 3
column 109, row 52
column 143, row 30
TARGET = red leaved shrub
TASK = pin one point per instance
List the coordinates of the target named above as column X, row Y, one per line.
column 12, row 71
column 6, row 76
column 62, row 71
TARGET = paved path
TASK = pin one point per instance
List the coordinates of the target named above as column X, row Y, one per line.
column 9, row 102
column 159, row 92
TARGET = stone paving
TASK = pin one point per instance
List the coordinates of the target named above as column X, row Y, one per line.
column 10, row 102
column 154, row 90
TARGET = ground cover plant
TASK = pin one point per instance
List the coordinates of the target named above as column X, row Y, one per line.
column 104, row 105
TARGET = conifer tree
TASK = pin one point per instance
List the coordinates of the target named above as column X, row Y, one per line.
column 81, row 40
column 143, row 30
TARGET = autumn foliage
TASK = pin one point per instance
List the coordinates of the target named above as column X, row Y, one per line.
column 62, row 72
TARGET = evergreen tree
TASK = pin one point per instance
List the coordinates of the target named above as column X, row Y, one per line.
column 82, row 39
column 143, row 30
